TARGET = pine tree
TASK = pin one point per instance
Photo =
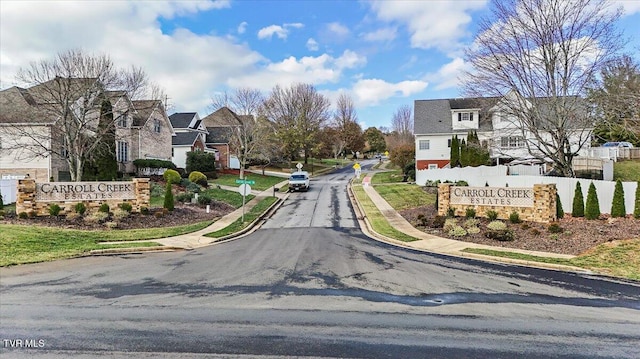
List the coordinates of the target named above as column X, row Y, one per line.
column 593, row 205
column 618, row 208
column 454, row 157
column 559, row 209
column 464, row 154
column 168, row 198
column 636, row 210
column 578, row 202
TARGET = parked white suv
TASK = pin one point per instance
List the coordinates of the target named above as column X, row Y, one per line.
column 299, row 181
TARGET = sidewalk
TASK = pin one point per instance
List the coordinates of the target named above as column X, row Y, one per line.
column 435, row 244
column 426, row 242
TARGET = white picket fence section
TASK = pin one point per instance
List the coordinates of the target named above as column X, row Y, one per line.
column 496, row 176
column 9, row 190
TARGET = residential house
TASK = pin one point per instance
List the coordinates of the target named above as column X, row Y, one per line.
column 190, row 136
column 32, row 137
column 143, row 131
column 220, row 125
column 436, row 121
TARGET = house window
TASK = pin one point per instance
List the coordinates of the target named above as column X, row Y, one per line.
column 122, row 154
column 424, row 144
column 449, row 143
column 512, row 142
column 465, row 116
column 433, row 166
column 122, row 121
column 64, row 153
column 156, row 126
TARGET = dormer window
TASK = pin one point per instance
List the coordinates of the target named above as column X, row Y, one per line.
column 465, row 116
column 122, row 121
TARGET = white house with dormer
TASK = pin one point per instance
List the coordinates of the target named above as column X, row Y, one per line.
column 436, row 121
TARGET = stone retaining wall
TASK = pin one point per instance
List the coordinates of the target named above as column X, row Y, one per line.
column 543, row 210
column 27, row 198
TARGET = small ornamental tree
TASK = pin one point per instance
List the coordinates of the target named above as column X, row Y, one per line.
column 1, row 202
column 559, row 209
column 593, row 205
column 618, row 208
column 636, row 210
column 168, row 197
column 578, row 202
column 454, row 157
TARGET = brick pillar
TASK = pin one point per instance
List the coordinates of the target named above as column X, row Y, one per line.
column 142, row 190
column 444, row 198
column 544, row 202
column 26, row 201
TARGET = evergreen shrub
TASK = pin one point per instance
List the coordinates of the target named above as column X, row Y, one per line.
column 592, row 210
column 168, row 196
column 578, row 202
column 171, row 176
column 618, row 208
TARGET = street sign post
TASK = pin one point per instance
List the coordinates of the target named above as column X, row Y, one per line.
column 358, row 170
column 245, row 181
column 244, row 190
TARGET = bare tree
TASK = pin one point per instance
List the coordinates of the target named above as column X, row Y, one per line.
column 72, row 91
column 401, row 128
column 542, row 54
column 249, row 132
column 615, row 95
column 349, row 134
column 298, row 113
column 243, row 101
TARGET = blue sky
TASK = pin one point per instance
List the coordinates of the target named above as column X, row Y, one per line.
column 384, row 54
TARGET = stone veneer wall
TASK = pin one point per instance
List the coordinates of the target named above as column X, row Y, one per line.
column 543, row 210
column 26, row 199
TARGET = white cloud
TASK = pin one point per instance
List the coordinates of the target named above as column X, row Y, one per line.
column 316, row 70
column 372, row 91
column 338, row 29
column 432, row 24
column 269, row 31
column 182, row 62
column 312, row 45
column 280, row 31
column 384, row 34
column 242, row 28
column 629, row 7
column 447, row 76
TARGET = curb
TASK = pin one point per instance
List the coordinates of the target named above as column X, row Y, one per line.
column 133, row 250
column 368, row 230
column 139, row 250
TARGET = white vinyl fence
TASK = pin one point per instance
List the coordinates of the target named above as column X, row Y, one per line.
column 9, row 189
column 496, row 176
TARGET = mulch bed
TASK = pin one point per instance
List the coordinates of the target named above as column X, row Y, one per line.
column 578, row 234
column 181, row 215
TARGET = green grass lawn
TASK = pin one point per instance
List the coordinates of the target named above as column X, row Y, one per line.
column 377, row 220
column 404, row 196
column 627, row 171
column 262, row 182
column 393, row 176
column 230, row 197
column 31, row 244
column 249, row 217
column 618, row 258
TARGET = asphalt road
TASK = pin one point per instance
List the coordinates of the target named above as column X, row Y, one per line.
column 309, row 283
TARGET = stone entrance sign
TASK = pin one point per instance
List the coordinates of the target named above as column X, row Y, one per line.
column 84, row 191
column 493, row 196
column 37, row 197
column 537, row 204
